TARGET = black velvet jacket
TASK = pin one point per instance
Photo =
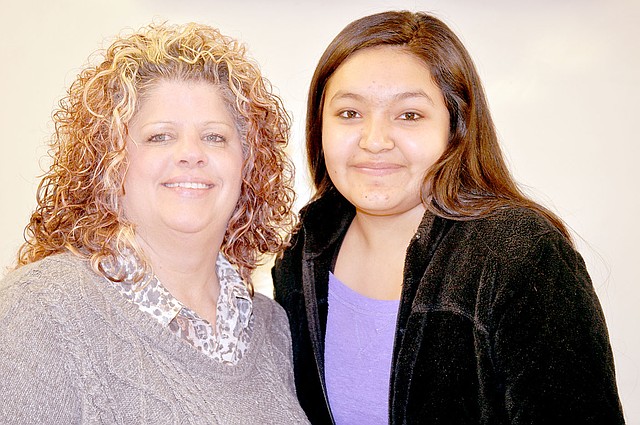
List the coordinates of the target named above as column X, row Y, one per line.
column 498, row 322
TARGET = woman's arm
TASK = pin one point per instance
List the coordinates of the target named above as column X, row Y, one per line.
column 37, row 377
column 550, row 343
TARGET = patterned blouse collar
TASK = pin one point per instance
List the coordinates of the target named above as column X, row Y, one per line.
column 227, row 343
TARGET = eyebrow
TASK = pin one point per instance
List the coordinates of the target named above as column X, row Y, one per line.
column 205, row 123
column 341, row 94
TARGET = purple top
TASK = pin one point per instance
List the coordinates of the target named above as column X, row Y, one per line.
column 358, row 349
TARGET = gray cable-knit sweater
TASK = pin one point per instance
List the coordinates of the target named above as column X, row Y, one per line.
column 73, row 350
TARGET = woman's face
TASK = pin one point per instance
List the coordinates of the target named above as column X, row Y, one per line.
column 384, row 123
column 185, row 160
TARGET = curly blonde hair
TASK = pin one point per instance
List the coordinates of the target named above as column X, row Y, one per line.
column 78, row 206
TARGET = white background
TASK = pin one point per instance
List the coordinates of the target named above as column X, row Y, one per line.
column 562, row 77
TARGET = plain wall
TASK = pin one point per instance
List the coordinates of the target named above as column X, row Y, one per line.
column 562, row 79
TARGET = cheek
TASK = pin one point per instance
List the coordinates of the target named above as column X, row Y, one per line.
column 336, row 150
column 142, row 170
column 426, row 150
column 154, row 160
column 438, row 151
column 138, row 160
column 234, row 169
column 332, row 160
column 135, row 177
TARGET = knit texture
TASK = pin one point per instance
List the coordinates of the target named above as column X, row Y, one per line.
column 73, row 350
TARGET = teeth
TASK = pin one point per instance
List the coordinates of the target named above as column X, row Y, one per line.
column 187, row 185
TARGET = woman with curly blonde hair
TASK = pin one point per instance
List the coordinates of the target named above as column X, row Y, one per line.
column 132, row 300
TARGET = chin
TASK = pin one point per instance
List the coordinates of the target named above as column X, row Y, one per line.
column 384, row 207
column 185, row 225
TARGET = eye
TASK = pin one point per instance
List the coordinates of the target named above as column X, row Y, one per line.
column 349, row 114
column 410, row 116
column 214, row 138
column 159, row 138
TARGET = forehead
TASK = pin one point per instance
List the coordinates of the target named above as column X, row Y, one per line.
column 381, row 71
column 169, row 87
column 177, row 97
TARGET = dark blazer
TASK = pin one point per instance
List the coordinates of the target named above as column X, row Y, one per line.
column 498, row 322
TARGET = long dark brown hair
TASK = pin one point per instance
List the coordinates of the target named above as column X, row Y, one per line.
column 470, row 179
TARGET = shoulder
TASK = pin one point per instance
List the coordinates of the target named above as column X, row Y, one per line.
column 39, row 343
column 40, row 304
column 515, row 249
column 269, row 311
column 45, row 282
column 322, row 225
column 513, row 232
column 322, row 222
column 274, row 328
column 57, row 271
column 514, row 243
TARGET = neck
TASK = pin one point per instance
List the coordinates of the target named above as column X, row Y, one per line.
column 372, row 255
column 387, row 231
column 185, row 265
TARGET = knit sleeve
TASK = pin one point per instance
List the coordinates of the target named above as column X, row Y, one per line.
column 36, row 384
column 550, row 342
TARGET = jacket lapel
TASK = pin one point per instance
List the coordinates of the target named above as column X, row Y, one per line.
column 419, row 254
column 328, row 219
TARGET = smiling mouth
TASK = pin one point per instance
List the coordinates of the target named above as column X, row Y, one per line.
column 188, row 185
column 377, row 169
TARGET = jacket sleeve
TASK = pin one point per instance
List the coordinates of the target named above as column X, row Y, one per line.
column 549, row 340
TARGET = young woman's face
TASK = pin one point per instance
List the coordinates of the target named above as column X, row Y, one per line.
column 185, row 160
column 384, row 123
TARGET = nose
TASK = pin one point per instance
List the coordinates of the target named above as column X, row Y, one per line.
column 190, row 151
column 375, row 136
